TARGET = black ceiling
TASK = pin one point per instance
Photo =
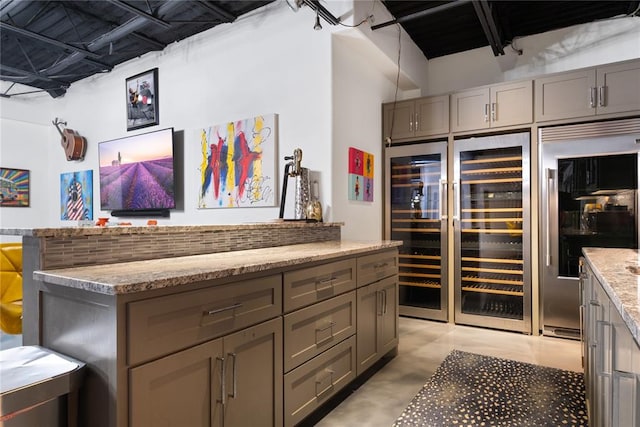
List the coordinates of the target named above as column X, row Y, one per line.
column 51, row 44
column 48, row 45
column 441, row 28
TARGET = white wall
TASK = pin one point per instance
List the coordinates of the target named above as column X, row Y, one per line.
column 570, row 48
column 359, row 88
column 270, row 61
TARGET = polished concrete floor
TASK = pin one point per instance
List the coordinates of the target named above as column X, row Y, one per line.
column 423, row 346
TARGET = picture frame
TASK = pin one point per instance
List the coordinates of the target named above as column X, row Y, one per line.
column 142, row 100
column 14, row 187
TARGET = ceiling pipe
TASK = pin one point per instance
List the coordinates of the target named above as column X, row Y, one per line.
column 322, row 11
column 421, row 14
column 45, row 39
column 113, row 35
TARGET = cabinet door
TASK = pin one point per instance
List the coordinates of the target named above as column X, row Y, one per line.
column 398, row 123
column 618, row 88
column 512, row 104
column 432, row 115
column 369, row 305
column 470, row 110
column 565, row 96
column 178, row 390
column 626, row 374
column 388, row 327
column 253, row 376
column 377, row 321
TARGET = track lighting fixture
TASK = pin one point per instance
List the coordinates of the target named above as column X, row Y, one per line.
column 317, row 26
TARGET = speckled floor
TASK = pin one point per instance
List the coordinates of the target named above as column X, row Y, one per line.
column 472, row 390
column 423, row 347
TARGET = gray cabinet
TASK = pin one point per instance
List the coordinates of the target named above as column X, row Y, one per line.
column 416, row 118
column 611, row 359
column 505, row 104
column 589, row 92
column 213, row 384
column 377, row 312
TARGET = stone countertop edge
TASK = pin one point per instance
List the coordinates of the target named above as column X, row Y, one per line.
column 149, row 229
column 615, row 268
column 140, row 276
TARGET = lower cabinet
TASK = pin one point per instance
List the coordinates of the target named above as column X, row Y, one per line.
column 213, row 384
column 377, row 321
column 611, row 359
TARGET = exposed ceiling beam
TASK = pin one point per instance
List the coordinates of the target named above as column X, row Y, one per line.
column 24, row 73
column 158, row 45
column 45, row 39
column 485, row 16
column 140, row 13
column 117, row 33
column 421, row 14
column 221, row 12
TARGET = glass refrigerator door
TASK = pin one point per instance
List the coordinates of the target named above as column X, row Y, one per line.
column 415, row 215
column 491, row 221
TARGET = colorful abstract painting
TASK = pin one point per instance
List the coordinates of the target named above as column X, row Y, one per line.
column 14, row 187
column 76, row 195
column 360, row 175
column 238, row 163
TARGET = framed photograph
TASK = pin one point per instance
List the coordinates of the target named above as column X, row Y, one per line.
column 14, row 187
column 142, row 100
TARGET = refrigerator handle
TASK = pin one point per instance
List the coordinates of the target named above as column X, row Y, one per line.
column 456, row 203
column 550, row 176
column 443, row 199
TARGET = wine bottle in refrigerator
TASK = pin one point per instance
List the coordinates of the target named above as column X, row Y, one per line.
column 415, row 212
column 492, row 232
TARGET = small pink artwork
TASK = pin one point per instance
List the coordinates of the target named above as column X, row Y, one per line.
column 360, row 175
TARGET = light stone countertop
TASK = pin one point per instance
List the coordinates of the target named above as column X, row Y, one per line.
column 114, row 229
column 139, row 276
column 619, row 272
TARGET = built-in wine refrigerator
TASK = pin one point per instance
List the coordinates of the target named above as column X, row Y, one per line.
column 415, row 213
column 491, row 222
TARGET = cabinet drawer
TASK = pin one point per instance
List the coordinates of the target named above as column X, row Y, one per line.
column 310, row 285
column 313, row 383
column 163, row 325
column 311, row 330
column 377, row 266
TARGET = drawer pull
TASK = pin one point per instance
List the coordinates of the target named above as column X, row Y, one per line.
column 329, row 281
column 319, row 382
column 223, row 374
column 327, row 338
column 220, row 310
column 330, row 325
column 380, row 265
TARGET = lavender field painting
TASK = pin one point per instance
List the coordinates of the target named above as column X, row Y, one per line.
column 133, row 177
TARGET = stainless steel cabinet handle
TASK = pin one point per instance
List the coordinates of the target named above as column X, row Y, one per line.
column 417, row 122
column 581, row 312
column 330, row 325
column 601, row 94
column 223, row 380
column 411, row 123
column 220, row 310
column 443, row 199
column 550, row 175
column 592, row 97
column 234, row 373
column 486, row 112
column 380, row 265
column 493, row 111
column 328, row 281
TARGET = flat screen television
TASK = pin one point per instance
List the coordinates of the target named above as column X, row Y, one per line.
column 137, row 173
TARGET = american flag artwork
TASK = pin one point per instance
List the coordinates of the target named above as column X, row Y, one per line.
column 76, row 195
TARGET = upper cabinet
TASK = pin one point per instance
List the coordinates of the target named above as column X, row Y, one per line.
column 506, row 104
column 416, row 118
column 602, row 90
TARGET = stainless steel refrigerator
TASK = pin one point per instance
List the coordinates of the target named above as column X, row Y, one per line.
column 415, row 212
column 491, row 222
column 588, row 198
